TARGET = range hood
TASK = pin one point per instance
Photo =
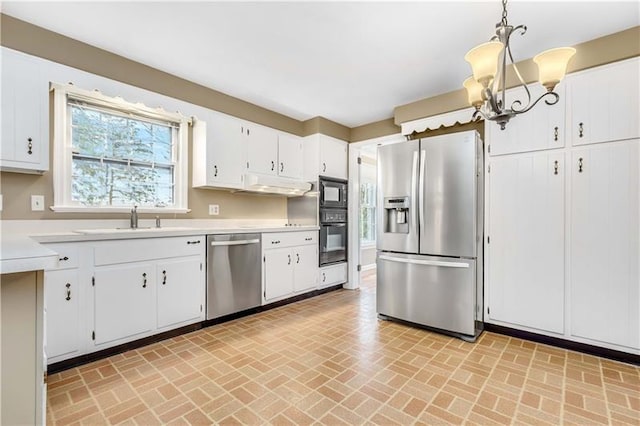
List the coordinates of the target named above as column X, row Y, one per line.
column 275, row 185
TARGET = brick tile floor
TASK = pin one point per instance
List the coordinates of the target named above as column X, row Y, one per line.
column 329, row 360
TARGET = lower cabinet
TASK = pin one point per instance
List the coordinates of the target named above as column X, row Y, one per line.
column 290, row 264
column 333, row 275
column 179, row 288
column 106, row 293
column 123, row 301
column 62, row 304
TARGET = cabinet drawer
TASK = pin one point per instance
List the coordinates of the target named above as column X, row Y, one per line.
column 67, row 255
column 289, row 239
column 332, row 275
column 123, row 251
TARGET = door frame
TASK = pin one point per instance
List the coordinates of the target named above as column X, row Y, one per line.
column 353, row 280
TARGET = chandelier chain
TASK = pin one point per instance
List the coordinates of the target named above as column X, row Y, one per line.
column 504, row 12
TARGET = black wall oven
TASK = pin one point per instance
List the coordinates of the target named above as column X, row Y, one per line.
column 333, row 236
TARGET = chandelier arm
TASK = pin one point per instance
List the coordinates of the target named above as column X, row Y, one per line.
column 493, row 102
column 554, row 101
column 517, row 102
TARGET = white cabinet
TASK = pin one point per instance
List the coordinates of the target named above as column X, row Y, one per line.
column 289, row 156
column 219, row 152
column 273, row 153
column 526, row 231
column 262, row 149
column 605, row 104
column 179, row 288
column 605, row 212
column 62, row 305
column 290, row 264
column 124, row 301
column 541, row 128
column 333, row 275
column 325, row 156
column 24, row 144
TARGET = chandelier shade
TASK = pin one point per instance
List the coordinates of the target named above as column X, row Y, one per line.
column 484, row 61
column 486, row 89
column 552, row 65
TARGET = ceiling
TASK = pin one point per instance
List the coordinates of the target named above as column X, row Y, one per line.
column 350, row 62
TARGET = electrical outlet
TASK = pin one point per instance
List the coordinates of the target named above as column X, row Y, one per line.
column 214, row 209
column 37, row 203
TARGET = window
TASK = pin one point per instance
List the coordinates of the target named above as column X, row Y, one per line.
column 111, row 155
column 367, row 205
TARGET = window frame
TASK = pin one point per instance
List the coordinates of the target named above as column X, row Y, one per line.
column 366, row 179
column 63, row 147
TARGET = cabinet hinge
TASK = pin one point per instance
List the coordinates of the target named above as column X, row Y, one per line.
column 489, row 168
column 359, row 268
column 488, row 239
column 488, row 310
column 247, row 164
column 359, row 160
column 201, row 266
column 93, row 335
column 200, row 308
column 93, row 281
column 265, row 294
column 264, row 258
column 489, row 149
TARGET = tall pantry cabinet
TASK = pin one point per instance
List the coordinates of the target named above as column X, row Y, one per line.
column 563, row 221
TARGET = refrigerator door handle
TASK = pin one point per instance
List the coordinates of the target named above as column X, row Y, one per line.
column 425, row 262
column 414, row 174
column 421, row 210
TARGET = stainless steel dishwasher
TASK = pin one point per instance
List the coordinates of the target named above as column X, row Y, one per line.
column 234, row 273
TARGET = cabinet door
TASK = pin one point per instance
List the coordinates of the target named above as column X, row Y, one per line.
column 63, row 312
column 333, row 275
column 25, row 96
column 226, row 151
column 262, row 150
column 605, row 103
column 305, row 271
column 179, row 286
column 541, row 128
column 124, row 303
column 333, row 157
column 290, row 156
column 526, row 230
column 278, row 273
column 604, row 243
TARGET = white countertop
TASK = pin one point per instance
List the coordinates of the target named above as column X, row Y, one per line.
column 21, row 249
column 21, row 254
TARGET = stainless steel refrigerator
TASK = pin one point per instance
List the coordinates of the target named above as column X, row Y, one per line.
column 430, row 230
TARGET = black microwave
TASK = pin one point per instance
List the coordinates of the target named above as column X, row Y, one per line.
column 333, row 193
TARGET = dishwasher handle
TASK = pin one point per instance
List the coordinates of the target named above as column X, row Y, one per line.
column 235, row 243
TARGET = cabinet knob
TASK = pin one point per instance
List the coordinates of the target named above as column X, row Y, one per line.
column 297, row 257
column 555, row 133
column 144, row 280
column 580, row 165
column 68, row 286
column 215, row 171
column 555, row 167
column 273, row 165
column 281, row 167
column 164, row 277
column 289, row 262
column 30, row 146
column 580, row 129
column 324, row 167
column 324, row 277
column 62, row 259
column 193, row 242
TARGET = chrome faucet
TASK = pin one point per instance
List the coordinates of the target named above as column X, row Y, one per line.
column 134, row 217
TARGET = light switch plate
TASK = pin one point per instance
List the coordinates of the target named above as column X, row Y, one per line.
column 0, row 202
column 37, row 203
column 214, row 209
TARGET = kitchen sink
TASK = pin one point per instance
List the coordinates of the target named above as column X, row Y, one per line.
column 131, row 230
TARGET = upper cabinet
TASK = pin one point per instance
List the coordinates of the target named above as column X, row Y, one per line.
column 541, row 128
column 24, row 144
column 604, row 103
column 273, row 153
column 219, row 152
column 325, row 156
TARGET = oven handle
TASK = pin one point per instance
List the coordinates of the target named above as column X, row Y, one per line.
column 334, row 224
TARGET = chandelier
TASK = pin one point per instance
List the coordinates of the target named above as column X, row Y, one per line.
column 486, row 88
